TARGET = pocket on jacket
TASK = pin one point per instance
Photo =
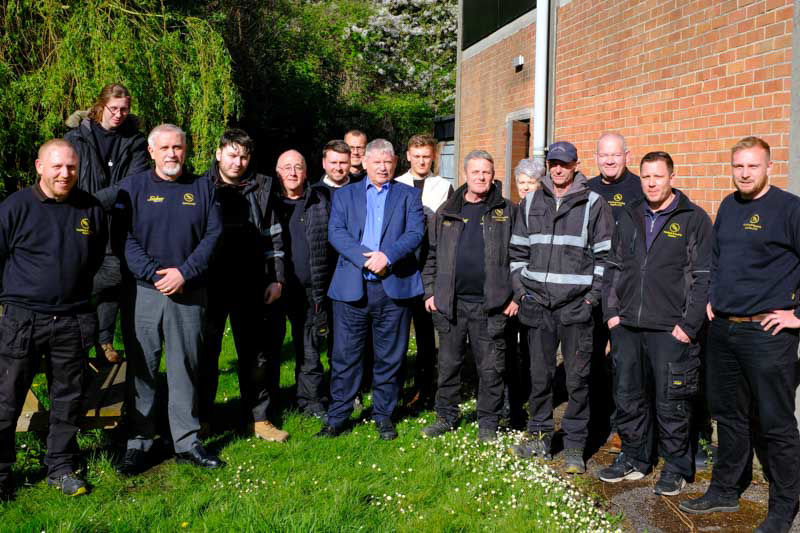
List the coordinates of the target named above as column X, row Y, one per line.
column 16, row 332
column 684, row 378
column 530, row 312
column 576, row 313
column 87, row 322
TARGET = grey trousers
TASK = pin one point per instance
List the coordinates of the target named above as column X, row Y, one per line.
column 178, row 322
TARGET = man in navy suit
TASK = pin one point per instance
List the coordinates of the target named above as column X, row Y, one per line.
column 375, row 225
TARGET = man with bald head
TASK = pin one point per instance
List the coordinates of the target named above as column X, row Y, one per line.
column 616, row 184
column 170, row 223
column 303, row 213
column 375, row 226
column 619, row 187
column 52, row 241
column 245, row 281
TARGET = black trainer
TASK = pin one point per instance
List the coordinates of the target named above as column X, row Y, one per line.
column 621, row 470
column 669, row 484
column 386, row 429
column 134, row 463
column 533, row 445
column 709, row 503
column 438, row 428
column 69, row 483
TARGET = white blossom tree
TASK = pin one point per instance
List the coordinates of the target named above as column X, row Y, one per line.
column 409, row 46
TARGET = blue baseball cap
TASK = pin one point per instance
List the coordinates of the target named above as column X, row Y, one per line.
column 562, row 151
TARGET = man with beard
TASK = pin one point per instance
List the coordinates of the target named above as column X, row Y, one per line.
column 171, row 223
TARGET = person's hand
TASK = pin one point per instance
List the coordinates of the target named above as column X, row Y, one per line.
column 608, row 348
column 780, row 319
column 511, row 309
column 273, row 292
column 709, row 311
column 613, row 322
column 171, row 282
column 680, row 335
column 376, row 262
column 430, row 306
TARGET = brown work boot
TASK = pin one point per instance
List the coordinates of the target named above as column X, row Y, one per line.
column 107, row 349
column 265, row 430
column 614, row 443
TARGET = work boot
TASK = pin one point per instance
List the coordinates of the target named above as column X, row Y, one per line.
column 69, row 484
column 621, row 469
column 265, row 430
column 614, row 443
column 773, row 525
column 573, row 460
column 386, row 429
column 134, row 463
column 669, row 484
column 107, row 349
column 709, row 503
column 487, row 435
column 533, row 445
column 438, row 428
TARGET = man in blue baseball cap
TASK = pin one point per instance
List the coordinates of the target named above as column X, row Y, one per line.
column 558, row 254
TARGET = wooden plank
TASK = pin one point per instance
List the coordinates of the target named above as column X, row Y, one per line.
column 103, row 401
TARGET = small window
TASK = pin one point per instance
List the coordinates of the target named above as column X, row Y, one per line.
column 483, row 17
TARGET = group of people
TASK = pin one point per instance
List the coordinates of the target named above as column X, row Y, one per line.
column 620, row 265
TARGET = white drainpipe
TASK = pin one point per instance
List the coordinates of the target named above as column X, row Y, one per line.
column 539, row 118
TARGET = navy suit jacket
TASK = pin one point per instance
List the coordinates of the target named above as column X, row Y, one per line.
column 401, row 234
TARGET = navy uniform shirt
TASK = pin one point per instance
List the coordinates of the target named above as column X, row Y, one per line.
column 50, row 251
column 168, row 224
column 756, row 258
column 626, row 190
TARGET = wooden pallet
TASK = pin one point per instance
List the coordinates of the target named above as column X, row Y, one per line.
column 105, row 394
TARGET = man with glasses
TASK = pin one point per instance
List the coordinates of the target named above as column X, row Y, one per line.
column 357, row 141
column 110, row 147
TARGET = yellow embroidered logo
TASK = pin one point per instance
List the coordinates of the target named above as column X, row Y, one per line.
column 618, row 197
column 155, row 199
column 617, row 200
column 752, row 223
column 447, row 223
column 673, row 231
column 188, row 199
column 498, row 215
column 85, row 228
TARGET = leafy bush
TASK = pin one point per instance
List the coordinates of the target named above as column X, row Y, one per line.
column 55, row 56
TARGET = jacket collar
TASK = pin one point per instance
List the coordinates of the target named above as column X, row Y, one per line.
column 452, row 207
column 578, row 185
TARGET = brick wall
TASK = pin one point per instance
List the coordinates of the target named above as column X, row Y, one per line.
column 490, row 89
column 687, row 77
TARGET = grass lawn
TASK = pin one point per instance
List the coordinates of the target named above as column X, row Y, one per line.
column 355, row 482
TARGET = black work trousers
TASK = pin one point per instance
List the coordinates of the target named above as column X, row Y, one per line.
column 308, row 370
column 576, row 349
column 26, row 336
column 486, row 335
column 257, row 336
column 425, row 363
column 753, row 371
column 656, row 378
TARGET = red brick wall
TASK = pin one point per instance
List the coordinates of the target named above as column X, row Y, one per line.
column 490, row 89
column 688, row 77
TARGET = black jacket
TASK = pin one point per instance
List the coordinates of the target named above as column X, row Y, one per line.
column 96, row 177
column 439, row 275
column 316, row 211
column 668, row 284
column 251, row 233
column 559, row 248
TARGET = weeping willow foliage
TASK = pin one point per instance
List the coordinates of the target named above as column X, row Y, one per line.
column 56, row 55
